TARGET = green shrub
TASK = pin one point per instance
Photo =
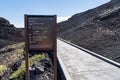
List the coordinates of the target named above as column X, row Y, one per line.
column 3, row 68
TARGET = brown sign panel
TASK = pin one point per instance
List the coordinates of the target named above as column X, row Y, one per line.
column 40, row 35
column 40, row 32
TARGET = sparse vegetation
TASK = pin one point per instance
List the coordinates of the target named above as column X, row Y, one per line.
column 20, row 72
column 15, row 55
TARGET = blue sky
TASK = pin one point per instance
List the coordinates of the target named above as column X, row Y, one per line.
column 14, row 10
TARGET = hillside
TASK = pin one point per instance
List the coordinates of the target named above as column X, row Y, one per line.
column 8, row 33
column 96, row 29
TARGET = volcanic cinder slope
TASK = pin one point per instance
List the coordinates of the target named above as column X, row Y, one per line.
column 96, row 29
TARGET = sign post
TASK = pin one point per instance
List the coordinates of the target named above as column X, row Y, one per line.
column 40, row 35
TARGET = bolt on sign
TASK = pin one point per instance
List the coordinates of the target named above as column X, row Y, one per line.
column 40, row 35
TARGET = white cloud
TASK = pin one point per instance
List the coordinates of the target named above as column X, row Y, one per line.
column 62, row 18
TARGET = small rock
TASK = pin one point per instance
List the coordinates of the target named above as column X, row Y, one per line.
column 32, row 73
column 39, row 70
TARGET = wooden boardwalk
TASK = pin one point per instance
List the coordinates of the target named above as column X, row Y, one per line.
column 80, row 65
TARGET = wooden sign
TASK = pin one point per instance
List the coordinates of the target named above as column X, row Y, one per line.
column 40, row 35
column 40, row 31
